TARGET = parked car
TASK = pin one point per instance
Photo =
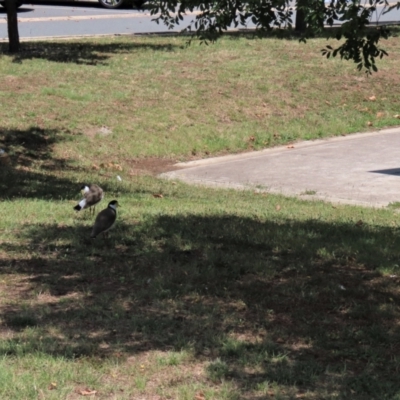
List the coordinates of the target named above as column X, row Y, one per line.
column 104, row 3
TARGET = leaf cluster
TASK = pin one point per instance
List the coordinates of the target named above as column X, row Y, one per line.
column 359, row 41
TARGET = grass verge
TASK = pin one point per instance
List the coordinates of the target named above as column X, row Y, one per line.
column 198, row 293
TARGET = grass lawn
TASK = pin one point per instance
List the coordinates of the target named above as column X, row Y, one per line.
column 199, row 293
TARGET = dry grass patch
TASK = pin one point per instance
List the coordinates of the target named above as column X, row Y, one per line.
column 152, row 92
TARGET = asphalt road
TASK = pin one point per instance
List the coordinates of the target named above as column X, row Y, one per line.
column 80, row 19
column 66, row 19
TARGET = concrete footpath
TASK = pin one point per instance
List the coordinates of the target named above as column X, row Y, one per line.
column 363, row 168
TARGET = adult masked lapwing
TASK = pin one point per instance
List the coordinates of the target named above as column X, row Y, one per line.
column 105, row 219
column 92, row 194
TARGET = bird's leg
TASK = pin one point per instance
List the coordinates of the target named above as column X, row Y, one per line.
column 106, row 240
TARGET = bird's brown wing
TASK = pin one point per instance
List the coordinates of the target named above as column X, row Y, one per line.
column 93, row 196
column 96, row 189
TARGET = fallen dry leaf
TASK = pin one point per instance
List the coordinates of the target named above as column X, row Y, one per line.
column 380, row 114
column 278, row 207
column 53, row 385
column 87, row 392
column 111, row 165
column 4, row 159
column 199, row 396
column 159, row 196
column 96, row 167
column 369, row 123
column 372, row 98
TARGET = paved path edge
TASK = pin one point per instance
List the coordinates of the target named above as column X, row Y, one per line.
column 177, row 175
column 279, row 149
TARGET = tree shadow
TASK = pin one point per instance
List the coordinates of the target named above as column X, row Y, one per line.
column 26, row 146
column 22, row 10
column 30, row 169
column 93, row 53
column 294, row 303
column 19, row 175
column 85, row 53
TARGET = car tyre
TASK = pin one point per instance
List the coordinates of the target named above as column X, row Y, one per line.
column 111, row 3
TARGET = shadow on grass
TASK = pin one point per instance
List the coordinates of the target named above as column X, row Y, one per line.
column 300, row 304
column 87, row 53
column 32, row 171
column 20, row 177
column 94, row 53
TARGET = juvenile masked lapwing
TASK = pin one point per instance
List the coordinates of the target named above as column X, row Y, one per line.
column 105, row 219
column 92, row 194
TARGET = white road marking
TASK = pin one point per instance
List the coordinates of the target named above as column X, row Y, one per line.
column 78, row 18
column 86, row 17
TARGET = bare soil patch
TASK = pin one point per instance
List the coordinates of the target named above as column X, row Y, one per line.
column 151, row 165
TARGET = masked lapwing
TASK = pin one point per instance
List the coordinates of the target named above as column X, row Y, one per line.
column 92, row 195
column 105, row 219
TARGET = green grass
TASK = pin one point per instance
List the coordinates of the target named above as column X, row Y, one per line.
column 236, row 95
column 309, row 192
column 205, row 281
column 198, row 293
